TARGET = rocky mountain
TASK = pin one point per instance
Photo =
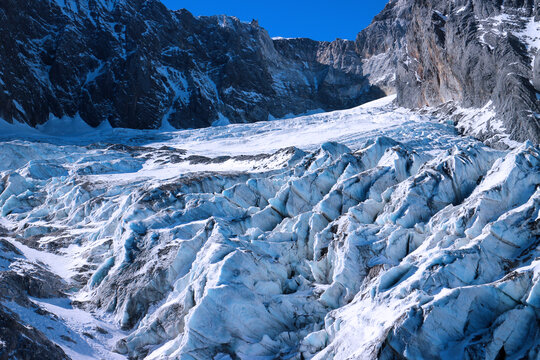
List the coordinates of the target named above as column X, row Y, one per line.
column 477, row 55
column 137, row 64
column 467, row 54
column 404, row 228
column 382, row 44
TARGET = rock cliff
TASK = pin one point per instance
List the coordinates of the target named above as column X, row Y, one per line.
column 476, row 54
column 137, row 64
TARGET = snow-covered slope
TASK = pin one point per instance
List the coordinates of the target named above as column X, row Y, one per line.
column 374, row 232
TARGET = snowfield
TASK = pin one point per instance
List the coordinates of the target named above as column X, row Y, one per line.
column 375, row 232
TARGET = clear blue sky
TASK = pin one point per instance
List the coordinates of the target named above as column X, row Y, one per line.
column 316, row 19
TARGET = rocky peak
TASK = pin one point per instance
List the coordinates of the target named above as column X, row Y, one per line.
column 474, row 53
column 381, row 44
column 470, row 53
column 139, row 65
column 387, row 30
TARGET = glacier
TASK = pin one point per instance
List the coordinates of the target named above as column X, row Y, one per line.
column 370, row 233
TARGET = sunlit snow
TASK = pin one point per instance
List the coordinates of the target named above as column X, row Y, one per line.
column 329, row 236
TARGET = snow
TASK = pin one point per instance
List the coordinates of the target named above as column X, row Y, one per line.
column 441, row 15
column 94, row 74
column 531, row 35
column 55, row 263
column 65, row 126
column 221, row 121
column 176, row 82
column 483, row 123
column 350, row 127
column 476, row 121
column 292, row 116
column 382, row 102
column 527, row 29
column 331, row 235
column 70, row 328
column 166, row 125
column 461, row 9
column 284, row 38
column 19, row 107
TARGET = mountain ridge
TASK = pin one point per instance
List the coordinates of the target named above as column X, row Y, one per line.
column 138, row 65
column 404, row 228
column 141, row 65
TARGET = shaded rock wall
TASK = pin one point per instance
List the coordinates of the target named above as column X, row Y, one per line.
column 136, row 64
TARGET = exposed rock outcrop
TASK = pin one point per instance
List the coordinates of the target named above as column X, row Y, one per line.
column 382, row 44
column 476, row 54
column 20, row 341
column 536, row 72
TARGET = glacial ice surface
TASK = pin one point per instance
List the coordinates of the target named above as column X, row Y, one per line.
column 368, row 233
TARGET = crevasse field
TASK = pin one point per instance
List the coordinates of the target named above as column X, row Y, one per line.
column 329, row 236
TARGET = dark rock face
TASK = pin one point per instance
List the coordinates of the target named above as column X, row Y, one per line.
column 20, row 341
column 382, row 44
column 35, row 282
column 136, row 64
column 473, row 52
column 23, row 279
column 536, row 72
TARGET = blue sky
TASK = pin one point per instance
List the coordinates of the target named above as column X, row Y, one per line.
column 316, row 19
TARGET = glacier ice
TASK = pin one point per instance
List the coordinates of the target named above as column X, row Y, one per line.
column 395, row 239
